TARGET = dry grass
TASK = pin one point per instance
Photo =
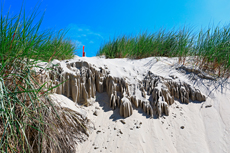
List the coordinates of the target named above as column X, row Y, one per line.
column 30, row 121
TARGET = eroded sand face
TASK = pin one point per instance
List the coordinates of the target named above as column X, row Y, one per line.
column 127, row 99
column 153, row 93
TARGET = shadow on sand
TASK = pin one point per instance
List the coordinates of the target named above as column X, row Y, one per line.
column 103, row 101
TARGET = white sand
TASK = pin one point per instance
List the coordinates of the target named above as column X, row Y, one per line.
column 206, row 129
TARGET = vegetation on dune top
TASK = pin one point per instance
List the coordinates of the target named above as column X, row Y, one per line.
column 29, row 120
column 21, row 37
column 211, row 47
column 161, row 43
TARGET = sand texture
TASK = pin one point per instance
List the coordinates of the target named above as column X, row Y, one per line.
column 146, row 105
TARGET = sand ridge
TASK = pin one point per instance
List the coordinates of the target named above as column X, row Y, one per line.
column 193, row 127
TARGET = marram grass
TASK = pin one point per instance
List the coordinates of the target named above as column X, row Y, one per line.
column 29, row 120
column 211, row 47
column 21, row 37
column 161, row 43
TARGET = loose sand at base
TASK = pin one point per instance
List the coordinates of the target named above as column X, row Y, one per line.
column 195, row 127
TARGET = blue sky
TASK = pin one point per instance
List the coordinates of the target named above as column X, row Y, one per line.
column 92, row 22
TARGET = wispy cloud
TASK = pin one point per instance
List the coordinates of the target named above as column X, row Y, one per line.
column 78, row 43
column 85, row 31
column 84, row 35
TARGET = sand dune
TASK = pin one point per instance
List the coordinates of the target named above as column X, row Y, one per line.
column 199, row 126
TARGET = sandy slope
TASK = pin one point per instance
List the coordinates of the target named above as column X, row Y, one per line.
column 195, row 127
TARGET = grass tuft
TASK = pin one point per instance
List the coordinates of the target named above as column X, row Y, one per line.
column 211, row 47
column 29, row 120
column 161, row 43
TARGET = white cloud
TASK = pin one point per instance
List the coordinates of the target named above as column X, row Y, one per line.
column 81, row 30
column 84, row 35
column 96, row 34
column 78, row 43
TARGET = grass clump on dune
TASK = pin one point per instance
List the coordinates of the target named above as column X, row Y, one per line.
column 21, row 37
column 161, row 43
column 29, row 120
column 211, row 47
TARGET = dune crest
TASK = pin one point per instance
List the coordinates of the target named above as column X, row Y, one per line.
column 153, row 94
column 123, row 94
